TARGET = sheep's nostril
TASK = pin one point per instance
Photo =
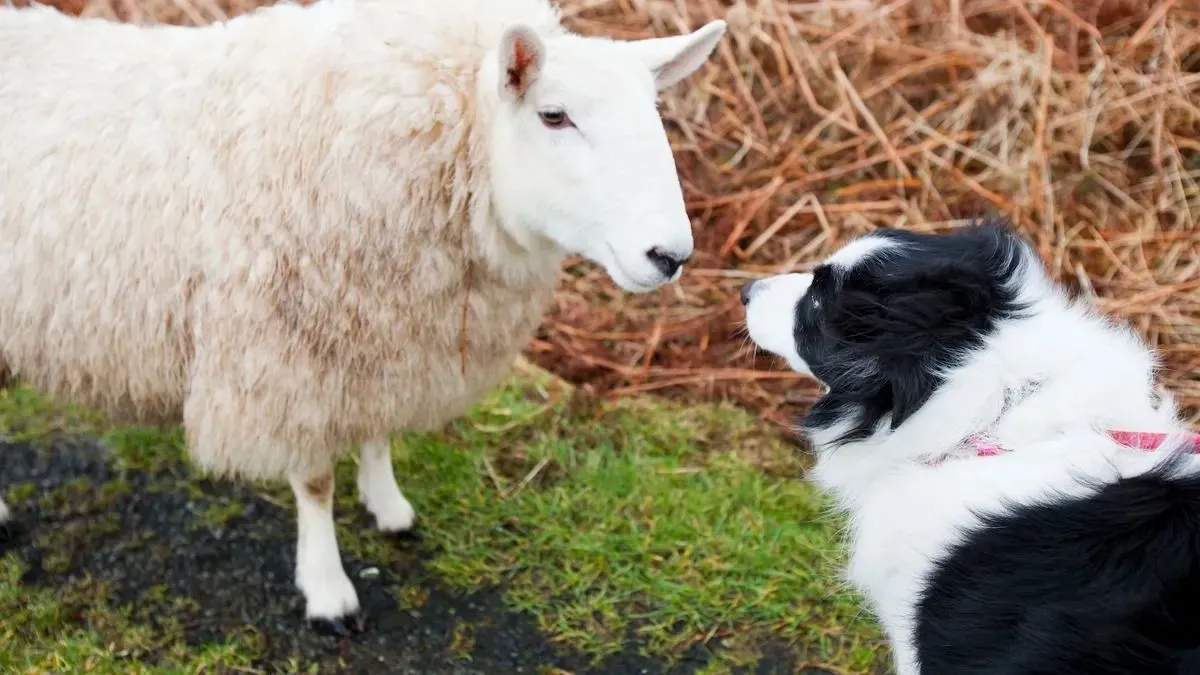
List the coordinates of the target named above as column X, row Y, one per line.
column 666, row 263
column 746, row 291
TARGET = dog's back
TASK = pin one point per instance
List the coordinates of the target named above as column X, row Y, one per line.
column 1104, row 585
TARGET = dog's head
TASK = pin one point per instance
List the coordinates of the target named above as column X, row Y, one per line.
column 883, row 319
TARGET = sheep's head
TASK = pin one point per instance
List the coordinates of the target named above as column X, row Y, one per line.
column 579, row 155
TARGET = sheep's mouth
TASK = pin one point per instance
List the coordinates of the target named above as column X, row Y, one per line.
column 631, row 282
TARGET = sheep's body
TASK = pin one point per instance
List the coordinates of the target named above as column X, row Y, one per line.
column 259, row 228
column 303, row 229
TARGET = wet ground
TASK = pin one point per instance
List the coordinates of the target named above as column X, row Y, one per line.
column 204, row 560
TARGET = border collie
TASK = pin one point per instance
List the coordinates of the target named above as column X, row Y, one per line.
column 1021, row 498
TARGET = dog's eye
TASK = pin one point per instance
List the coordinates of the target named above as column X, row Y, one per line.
column 555, row 118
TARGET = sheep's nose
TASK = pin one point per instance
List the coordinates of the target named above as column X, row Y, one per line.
column 667, row 263
column 747, row 290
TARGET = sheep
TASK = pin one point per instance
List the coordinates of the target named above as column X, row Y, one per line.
column 302, row 229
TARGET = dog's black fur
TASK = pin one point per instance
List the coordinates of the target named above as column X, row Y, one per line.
column 1108, row 585
column 878, row 334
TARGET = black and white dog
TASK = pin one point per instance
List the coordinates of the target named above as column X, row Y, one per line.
column 1021, row 498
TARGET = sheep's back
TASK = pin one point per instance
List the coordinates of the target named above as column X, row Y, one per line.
column 142, row 170
column 93, row 228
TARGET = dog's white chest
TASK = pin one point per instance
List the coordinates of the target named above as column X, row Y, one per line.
column 898, row 532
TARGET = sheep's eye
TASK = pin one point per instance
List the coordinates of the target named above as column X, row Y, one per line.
column 555, row 118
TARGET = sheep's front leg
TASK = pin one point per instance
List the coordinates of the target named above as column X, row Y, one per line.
column 332, row 603
column 378, row 491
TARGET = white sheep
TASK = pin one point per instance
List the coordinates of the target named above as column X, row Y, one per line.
column 300, row 230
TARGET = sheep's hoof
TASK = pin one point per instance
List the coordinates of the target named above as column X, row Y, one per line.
column 10, row 531
column 341, row 626
column 409, row 534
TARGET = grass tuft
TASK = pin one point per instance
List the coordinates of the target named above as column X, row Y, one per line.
column 76, row 629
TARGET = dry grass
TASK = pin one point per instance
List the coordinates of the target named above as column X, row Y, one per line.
column 820, row 120
column 817, row 121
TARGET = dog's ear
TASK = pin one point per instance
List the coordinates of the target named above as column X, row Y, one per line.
column 912, row 322
column 906, row 314
column 911, row 386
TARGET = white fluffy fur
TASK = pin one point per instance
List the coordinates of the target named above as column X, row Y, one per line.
column 904, row 514
column 269, row 228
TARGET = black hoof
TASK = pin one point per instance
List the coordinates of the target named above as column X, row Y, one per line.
column 412, row 534
column 10, row 532
column 341, row 627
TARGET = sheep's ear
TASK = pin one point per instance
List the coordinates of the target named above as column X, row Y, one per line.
column 673, row 58
column 521, row 59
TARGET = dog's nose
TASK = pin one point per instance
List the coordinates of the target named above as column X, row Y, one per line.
column 667, row 263
column 746, row 291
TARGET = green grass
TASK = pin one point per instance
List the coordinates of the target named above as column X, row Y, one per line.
column 641, row 519
column 75, row 630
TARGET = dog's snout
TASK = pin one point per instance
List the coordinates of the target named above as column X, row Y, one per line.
column 668, row 263
column 747, row 290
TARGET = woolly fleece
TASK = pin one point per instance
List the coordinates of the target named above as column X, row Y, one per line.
column 261, row 227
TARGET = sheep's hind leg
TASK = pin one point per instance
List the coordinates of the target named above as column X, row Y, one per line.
column 378, row 491
column 5, row 517
column 331, row 601
column 6, row 524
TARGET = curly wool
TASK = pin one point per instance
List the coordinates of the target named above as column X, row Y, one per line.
column 261, row 228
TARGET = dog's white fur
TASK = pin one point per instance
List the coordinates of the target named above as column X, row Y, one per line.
column 263, row 227
column 904, row 514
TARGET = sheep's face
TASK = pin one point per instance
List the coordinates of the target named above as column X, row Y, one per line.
column 579, row 155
